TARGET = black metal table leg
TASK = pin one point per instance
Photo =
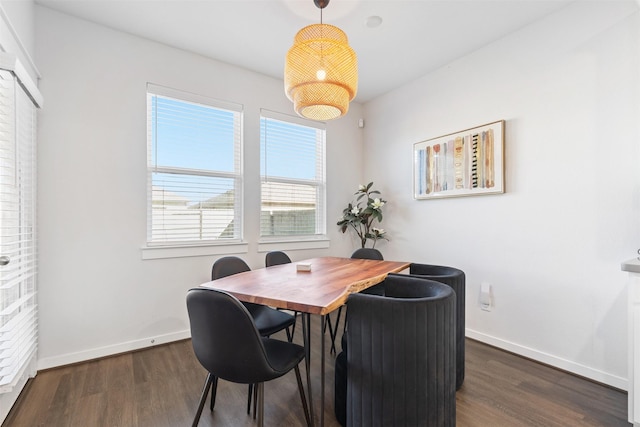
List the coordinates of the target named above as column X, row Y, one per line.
column 333, row 331
column 322, row 370
column 306, row 334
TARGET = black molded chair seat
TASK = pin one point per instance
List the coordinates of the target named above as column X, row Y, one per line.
column 456, row 279
column 398, row 364
column 230, row 347
column 270, row 321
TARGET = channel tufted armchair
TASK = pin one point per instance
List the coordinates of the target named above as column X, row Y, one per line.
column 397, row 367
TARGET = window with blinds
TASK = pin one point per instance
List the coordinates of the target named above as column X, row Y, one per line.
column 292, row 170
column 194, row 168
column 18, row 302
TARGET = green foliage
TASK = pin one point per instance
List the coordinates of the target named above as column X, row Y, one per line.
column 362, row 218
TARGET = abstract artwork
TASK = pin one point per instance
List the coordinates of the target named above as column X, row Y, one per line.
column 465, row 163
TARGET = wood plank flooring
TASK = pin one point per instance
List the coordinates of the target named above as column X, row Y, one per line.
column 161, row 386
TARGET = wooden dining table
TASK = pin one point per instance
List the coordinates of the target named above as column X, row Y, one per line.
column 321, row 290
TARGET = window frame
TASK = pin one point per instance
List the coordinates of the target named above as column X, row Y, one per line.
column 155, row 249
column 297, row 241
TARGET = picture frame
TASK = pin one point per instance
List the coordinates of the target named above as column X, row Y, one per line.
column 464, row 163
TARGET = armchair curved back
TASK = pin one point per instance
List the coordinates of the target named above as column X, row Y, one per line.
column 456, row 279
column 401, row 355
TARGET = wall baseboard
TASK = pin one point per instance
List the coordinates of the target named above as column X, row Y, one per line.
column 566, row 365
column 548, row 359
column 96, row 353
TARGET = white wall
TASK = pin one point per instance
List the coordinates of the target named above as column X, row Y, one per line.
column 97, row 296
column 17, row 33
column 551, row 247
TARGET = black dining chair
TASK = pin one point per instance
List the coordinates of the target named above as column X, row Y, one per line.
column 361, row 253
column 278, row 258
column 367, row 253
column 268, row 320
column 230, row 347
column 370, row 253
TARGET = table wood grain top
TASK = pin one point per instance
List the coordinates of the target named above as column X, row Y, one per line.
column 319, row 291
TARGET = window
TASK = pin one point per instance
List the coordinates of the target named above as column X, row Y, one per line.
column 292, row 171
column 18, row 235
column 194, row 168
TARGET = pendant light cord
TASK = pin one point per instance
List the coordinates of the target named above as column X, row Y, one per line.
column 321, row 43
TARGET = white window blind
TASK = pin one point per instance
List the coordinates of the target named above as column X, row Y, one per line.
column 292, row 169
column 194, row 168
column 18, row 302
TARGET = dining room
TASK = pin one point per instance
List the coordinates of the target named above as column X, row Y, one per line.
column 542, row 257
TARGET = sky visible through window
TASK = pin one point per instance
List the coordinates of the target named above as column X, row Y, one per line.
column 192, row 144
column 192, row 136
column 279, row 159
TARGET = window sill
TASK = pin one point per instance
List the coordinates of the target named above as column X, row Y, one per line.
column 288, row 245
column 162, row 252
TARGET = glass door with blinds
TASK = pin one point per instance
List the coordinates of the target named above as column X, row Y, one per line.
column 18, row 301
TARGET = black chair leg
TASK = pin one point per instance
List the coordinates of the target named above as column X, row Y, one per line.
column 214, row 391
column 260, row 387
column 203, row 398
column 249, row 395
column 302, row 396
column 255, row 400
column 293, row 327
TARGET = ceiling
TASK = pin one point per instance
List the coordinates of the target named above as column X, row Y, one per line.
column 414, row 38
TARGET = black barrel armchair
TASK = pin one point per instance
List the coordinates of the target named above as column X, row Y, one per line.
column 398, row 367
column 456, row 279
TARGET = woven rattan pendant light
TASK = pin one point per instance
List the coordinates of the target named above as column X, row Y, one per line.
column 321, row 71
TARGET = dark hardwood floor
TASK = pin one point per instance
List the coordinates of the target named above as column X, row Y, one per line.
column 161, row 386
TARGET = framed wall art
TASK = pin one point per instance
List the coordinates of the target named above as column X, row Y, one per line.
column 465, row 163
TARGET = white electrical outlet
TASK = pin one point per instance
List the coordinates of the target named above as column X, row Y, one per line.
column 486, row 297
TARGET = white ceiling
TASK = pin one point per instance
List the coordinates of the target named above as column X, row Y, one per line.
column 415, row 36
